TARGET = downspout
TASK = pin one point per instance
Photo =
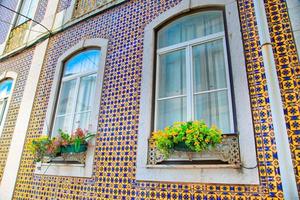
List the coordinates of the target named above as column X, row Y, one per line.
column 288, row 179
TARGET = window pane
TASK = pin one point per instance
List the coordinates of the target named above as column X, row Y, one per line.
column 5, row 88
column 170, row 111
column 64, row 123
column 3, row 104
column 213, row 108
column 172, row 74
column 82, row 62
column 32, row 8
column 191, row 27
column 28, row 9
column 209, row 66
column 82, row 121
column 67, row 96
column 86, row 93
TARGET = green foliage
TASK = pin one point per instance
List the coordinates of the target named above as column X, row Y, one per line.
column 43, row 146
column 196, row 136
column 51, row 147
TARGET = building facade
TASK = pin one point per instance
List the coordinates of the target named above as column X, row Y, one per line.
column 125, row 68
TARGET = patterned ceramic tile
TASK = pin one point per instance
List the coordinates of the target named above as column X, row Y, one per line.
column 115, row 156
column 20, row 64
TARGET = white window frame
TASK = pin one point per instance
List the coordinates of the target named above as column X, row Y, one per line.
column 187, row 46
column 66, row 169
column 199, row 173
column 76, row 77
column 13, row 76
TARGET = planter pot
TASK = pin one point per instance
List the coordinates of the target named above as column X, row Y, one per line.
column 181, row 146
column 72, row 149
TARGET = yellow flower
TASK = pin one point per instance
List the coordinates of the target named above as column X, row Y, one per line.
column 207, row 140
column 174, row 134
column 189, row 131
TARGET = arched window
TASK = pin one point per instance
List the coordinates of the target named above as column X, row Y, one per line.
column 192, row 76
column 5, row 92
column 77, row 92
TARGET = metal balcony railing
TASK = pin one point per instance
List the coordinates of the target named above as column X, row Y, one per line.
column 17, row 36
column 83, row 7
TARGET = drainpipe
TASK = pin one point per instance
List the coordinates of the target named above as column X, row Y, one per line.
column 289, row 184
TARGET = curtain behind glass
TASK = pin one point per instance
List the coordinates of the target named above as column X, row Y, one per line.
column 210, row 85
column 171, row 102
column 191, row 27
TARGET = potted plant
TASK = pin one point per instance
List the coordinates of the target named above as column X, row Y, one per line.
column 70, row 146
column 192, row 136
column 77, row 142
column 44, row 148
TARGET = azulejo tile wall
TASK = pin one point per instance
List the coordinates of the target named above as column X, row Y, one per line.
column 6, row 17
column 115, row 156
column 19, row 64
column 40, row 11
column 288, row 69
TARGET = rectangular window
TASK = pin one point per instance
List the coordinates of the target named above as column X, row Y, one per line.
column 193, row 84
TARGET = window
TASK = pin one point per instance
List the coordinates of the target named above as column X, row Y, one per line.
column 27, row 8
column 76, row 98
column 75, row 101
column 192, row 76
column 189, row 68
column 5, row 92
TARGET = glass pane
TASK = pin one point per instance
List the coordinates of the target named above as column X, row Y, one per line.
column 191, row 27
column 170, row 111
column 3, row 104
column 213, row 108
column 209, row 66
column 32, row 8
column 82, row 121
column 64, row 123
column 172, row 74
column 66, row 98
column 82, row 62
column 86, row 93
column 5, row 88
column 23, row 10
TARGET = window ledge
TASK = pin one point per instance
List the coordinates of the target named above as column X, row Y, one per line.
column 193, row 166
column 59, row 167
column 62, row 169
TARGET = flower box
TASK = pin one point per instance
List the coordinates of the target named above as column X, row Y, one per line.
column 73, row 148
column 68, row 147
column 181, row 146
column 227, row 151
column 191, row 136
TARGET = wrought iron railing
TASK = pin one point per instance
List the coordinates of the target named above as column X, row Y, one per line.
column 228, row 152
column 16, row 36
column 83, row 7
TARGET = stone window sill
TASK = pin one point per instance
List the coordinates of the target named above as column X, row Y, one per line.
column 59, row 167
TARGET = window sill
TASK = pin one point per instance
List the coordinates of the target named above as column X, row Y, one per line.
column 59, row 167
column 192, row 166
column 62, row 169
